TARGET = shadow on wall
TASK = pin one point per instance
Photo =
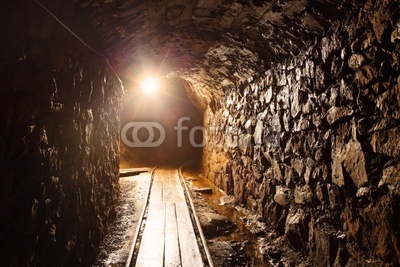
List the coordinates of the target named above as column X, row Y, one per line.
column 173, row 119
column 59, row 145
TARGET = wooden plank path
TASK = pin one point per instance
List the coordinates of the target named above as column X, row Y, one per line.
column 168, row 238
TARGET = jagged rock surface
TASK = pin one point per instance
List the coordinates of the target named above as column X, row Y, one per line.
column 323, row 165
column 59, row 143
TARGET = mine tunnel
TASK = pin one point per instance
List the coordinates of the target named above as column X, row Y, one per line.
column 295, row 105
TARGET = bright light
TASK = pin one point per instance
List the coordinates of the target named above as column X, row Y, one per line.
column 149, row 85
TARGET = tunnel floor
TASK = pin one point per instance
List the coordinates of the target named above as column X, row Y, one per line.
column 168, row 238
column 235, row 237
column 114, row 249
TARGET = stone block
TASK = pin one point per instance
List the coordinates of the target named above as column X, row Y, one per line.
column 366, row 75
column 302, row 194
column 356, row 61
column 296, row 228
column 282, row 195
column 337, row 158
column 389, row 102
column 336, row 113
column 391, row 178
column 354, row 163
column 387, row 142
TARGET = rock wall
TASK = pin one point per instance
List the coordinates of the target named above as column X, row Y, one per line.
column 59, row 141
column 313, row 145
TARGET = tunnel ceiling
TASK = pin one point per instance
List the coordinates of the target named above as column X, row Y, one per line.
column 212, row 44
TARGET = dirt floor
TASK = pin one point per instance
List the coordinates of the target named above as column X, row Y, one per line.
column 114, row 249
column 225, row 225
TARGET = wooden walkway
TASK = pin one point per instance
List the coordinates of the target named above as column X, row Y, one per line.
column 168, row 238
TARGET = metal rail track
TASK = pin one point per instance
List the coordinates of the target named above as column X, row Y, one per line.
column 140, row 226
column 201, row 240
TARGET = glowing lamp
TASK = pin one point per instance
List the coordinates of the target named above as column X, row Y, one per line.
column 149, row 86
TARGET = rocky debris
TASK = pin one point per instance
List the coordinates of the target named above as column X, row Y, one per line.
column 247, row 236
column 214, row 224
column 203, row 190
column 228, row 240
column 279, row 253
column 229, row 254
column 226, row 200
column 238, row 257
column 253, row 222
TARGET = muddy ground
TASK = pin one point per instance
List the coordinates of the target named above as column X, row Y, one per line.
column 229, row 241
column 236, row 237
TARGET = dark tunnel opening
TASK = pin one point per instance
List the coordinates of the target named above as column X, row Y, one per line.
column 169, row 115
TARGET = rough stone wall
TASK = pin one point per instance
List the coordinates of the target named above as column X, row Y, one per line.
column 323, row 166
column 59, row 142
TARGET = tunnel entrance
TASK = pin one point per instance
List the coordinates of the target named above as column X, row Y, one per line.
column 160, row 128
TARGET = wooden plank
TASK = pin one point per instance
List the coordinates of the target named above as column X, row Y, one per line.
column 159, row 175
column 151, row 251
column 172, row 255
column 169, row 238
column 167, row 188
column 176, row 188
column 190, row 253
column 156, row 195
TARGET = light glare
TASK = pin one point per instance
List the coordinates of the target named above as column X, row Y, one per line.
column 149, row 86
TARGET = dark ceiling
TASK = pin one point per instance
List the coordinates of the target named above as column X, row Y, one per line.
column 212, row 44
